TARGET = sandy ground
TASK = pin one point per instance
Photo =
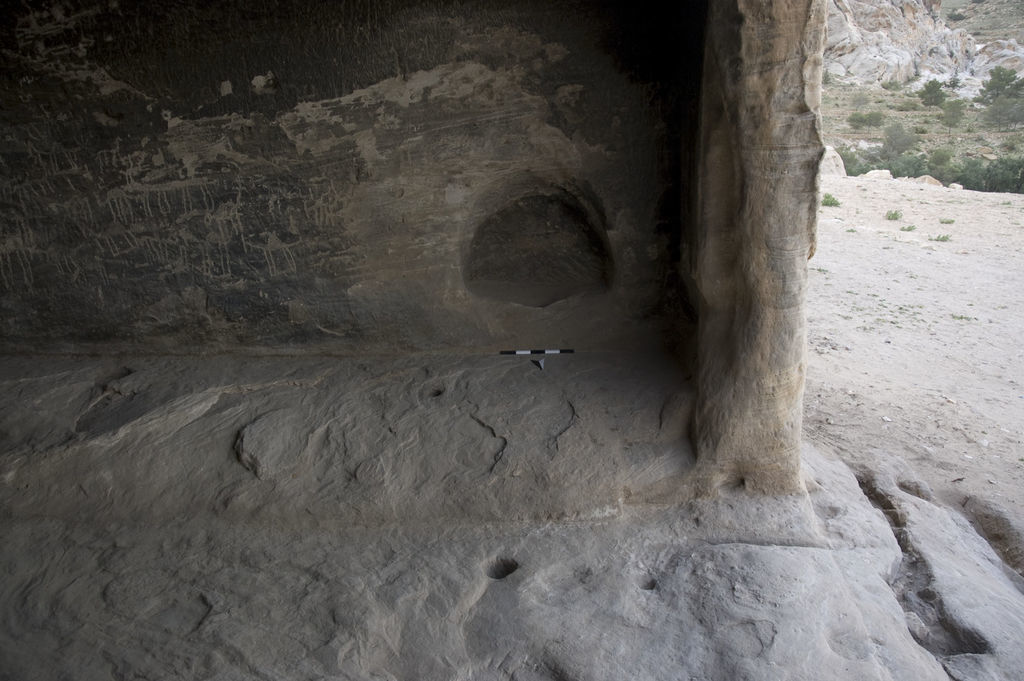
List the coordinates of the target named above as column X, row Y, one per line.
column 915, row 343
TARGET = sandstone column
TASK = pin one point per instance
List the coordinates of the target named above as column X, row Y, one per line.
column 760, row 144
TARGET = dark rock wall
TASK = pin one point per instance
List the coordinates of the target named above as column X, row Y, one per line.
column 352, row 176
column 383, row 177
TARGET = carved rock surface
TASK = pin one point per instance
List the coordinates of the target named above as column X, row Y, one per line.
column 342, row 177
column 760, row 151
column 269, row 446
column 387, row 178
column 468, row 437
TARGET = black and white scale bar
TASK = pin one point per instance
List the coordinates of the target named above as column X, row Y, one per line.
column 538, row 362
column 536, row 352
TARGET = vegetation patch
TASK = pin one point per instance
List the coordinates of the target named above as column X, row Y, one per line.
column 870, row 119
column 928, row 130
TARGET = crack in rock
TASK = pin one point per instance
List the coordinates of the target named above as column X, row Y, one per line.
column 994, row 524
column 573, row 418
column 928, row 619
column 498, row 455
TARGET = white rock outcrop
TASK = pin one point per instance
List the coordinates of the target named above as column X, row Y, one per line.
column 1006, row 53
column 880, row 40
column 832, row 163
column 872, row 41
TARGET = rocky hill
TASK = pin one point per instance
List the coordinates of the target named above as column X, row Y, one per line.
column 883, row 40
column 988, row 20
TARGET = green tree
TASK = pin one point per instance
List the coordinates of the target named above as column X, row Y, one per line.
column 932, row 94
column 1005, row 112
column 1002, row 82
column 897, row 141
column 953, row 111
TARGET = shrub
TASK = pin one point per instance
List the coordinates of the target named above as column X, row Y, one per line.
column 871, row 119
column 908, row 105
column 907, row 165
column 855, row 165
column 940, row 157
column 941, row 237
column 897, row 141
column 892, row 85
column 1005, row 175
column 908, row 228
column 956, row 15
column 940, row 166
column 829, row 200
column 944, row 174
column 953, row 111
column 946, row 221
column 893, row 214
column 971, row 174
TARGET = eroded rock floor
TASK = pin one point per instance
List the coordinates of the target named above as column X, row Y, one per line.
column 451, row 518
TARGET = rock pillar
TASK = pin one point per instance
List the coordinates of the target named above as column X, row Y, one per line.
column 760, row 144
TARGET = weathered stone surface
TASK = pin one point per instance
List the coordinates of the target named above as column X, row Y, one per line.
column 342, row 177
column 463, row 438
column 760, row 151
column 1006, row 53
column 880, row 40
column 737, row 587
column 832, row 163
column 269, row 446
column 382, row 177
column 395, row 178
column 965, row 603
